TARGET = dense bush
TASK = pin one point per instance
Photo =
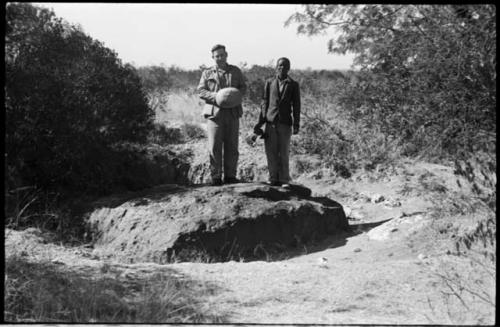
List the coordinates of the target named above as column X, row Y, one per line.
column 154, row 78
column 255, row 78
column 173, row 79
column 428, row 72
column 68, row 99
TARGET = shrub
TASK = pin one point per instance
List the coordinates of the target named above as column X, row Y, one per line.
column 193, row 131
column 68, row 99
column 255, row 79
column 154, row 78
column 427, row 73
column 163, row 135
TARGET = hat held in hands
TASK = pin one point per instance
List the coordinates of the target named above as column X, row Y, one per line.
column 228, row 97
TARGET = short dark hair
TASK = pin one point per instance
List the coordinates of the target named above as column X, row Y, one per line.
column 217, row 47
column 285, row 60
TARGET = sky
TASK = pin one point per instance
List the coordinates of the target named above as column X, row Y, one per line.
column 182, row 34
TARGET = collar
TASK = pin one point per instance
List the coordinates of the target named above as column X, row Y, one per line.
column 215, row 68
column 285, row 80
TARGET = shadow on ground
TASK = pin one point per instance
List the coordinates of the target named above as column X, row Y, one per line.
column 330, row 242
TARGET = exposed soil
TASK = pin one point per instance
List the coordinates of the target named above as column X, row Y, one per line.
column 171, row 223
column 385, row 272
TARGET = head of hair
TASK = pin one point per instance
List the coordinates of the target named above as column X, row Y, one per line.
column 217, row 47
column 286, row 60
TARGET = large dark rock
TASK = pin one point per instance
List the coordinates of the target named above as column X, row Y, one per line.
column 174, row 223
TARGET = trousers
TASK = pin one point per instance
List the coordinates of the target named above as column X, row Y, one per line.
column 277, row 145
column 223, row 132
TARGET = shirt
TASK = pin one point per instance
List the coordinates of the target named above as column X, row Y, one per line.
column 281, row 85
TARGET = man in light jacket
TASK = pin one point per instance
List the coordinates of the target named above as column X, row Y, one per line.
column 222, row 123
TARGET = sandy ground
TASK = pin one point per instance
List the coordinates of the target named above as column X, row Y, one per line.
column 385, row 272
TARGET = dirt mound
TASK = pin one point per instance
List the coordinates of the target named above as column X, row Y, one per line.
column 239, row 221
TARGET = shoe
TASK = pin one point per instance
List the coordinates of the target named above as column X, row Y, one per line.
column 231, row 180
column 274, row 183
column 216, row 182
column 285, row 185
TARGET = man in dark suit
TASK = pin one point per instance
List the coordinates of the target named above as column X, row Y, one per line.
column 281, row 113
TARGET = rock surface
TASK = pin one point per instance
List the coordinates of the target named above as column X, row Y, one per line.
column 192, row 223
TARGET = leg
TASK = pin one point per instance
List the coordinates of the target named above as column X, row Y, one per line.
column 271, row 145
column 284, row 136
column 231, row 154
column 214, row 131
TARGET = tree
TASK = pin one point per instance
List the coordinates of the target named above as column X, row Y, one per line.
column 427, row 72
column 68, row 99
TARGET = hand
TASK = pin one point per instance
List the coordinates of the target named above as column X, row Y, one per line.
column 251, row 140
column 295, row 130
column 213, row 97
column 258, row 131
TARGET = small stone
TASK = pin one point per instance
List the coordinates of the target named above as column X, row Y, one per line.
column 357, row 250
column 422, row 256
column 390, row 254
column 356, row 215
column 57, row 261
column 364, row 197
column 392, row 203
column 376, row 198
column 323, row 262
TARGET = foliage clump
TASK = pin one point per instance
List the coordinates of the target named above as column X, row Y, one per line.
column 68, row 99
column 427, row 73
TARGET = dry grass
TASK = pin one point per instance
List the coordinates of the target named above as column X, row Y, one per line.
column 343, row 145
column 468, row 274
column 44, row 292
column 42, row 283
column 467, row 287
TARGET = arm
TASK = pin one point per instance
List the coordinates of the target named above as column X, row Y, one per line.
column 296, row 108
column 203, row 90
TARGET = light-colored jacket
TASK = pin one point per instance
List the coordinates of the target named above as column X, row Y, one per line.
column 210, row 84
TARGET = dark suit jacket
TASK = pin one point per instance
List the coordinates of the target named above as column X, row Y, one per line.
column 283, row 108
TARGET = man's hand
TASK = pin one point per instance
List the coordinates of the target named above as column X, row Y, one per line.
column 295, row 130
column 212, row 96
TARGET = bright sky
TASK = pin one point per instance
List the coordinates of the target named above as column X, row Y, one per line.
column 182, row 34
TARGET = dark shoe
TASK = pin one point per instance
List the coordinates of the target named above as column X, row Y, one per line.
column 231, row 180
column 275, row 183
column 216, row 182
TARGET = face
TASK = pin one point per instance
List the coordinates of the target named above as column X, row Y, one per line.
column 220, row 57
column 282, row 68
